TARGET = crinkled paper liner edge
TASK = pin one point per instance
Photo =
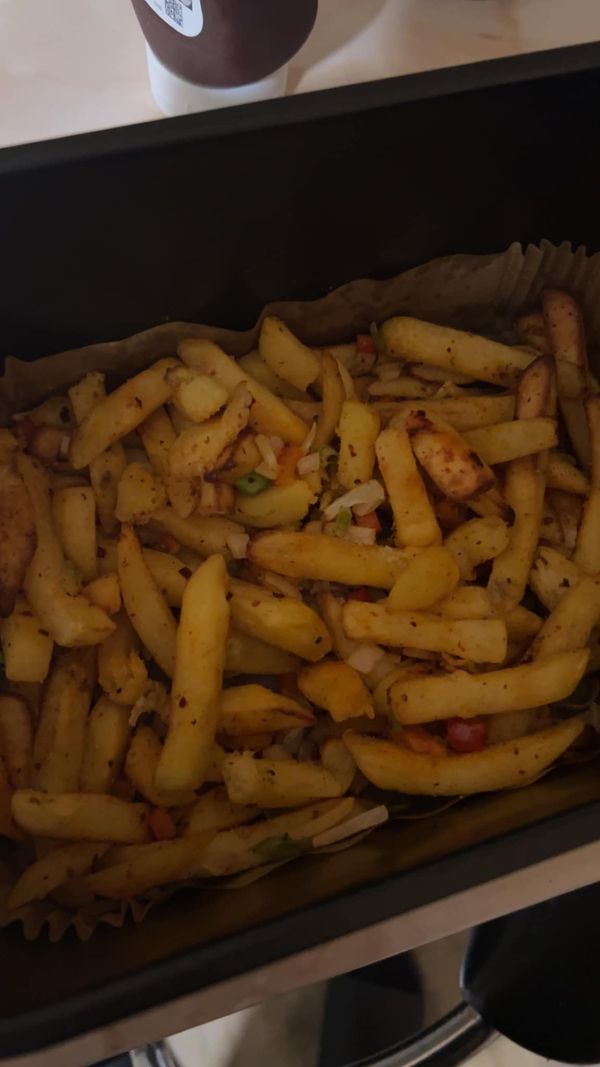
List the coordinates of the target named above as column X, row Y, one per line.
column 475, row 292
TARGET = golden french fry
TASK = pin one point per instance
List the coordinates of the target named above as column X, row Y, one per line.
column 122, row 673
column 276, row 783
column 429, row 577
column 563, row 322
column 285, row 355
column 280, row 505
column 71, row 620
column 60, row 735
column 561, row 473
column 510, row 440
column 282, row 621
column 255, row 366
column 253, row 709
column 87, row 394
column 500, row 766
column 544, row 681
column 464, row 412
column 475, row 542
column 481, row 640
column 587, row 549
column 331, row 610
column 570, row 624
column 337, row 688
column 106, row 736
column 551, row 575
column 105, row 593
column 198, row 448
column 53, row 870
column 16, row 740
column 8, row 828
column 156, row 864
column 205, row 535
column 26, row 645
column 169, row 573
column 141, row 762
column 118, row 414
column 146, row 607
column 532, row 331
column 415, row 522
column 322, row 557
column 404, row 388
column 466, row 602
column 509, row 725
column 214, row 811
column 334, row 396
column 197, row 682
column 358, row 429
column 337, row 759
column 269, row 414
column 458, row 471
column 80, row 816
column 491, row 504
column 17, row 534
column 158, row 437
column 245, row 654
column 440, row 346
column 196, row 396
column 74, row 514
column 522, row 624
column 139, row 495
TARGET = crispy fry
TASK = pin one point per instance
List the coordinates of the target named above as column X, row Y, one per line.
column 358, row 429
column 278, row 620
column 141, row 763
column 139, row 495
column 276, row 783
column 253, row 709
column 246, row 654
column 280, row 505
column 255, row 366
column 450, row 462
column 60, row 735
column 122, row 673
column 334, row 396
column 80, row 817
column 53, row 870
column 105, row 593
column 160, row 863
column 158, row 437
column 464, row 413
column 26, row 645
column 544, row 681
column 456, row 350
column 106, row 737
column 146, row 607
column 475, row 542
column 214, row 811
column 16, row 740
column 429, row 577
column 74, row 514
column 17, row 535
column 501, row 766
column 481, row 640
column 510, row 440
column 337, row 688
column 196, row 396
column 551, row 575
column 199, row 448
column 197, row 682
column 322, row 557
column 414, row 518
column 285, row 355
column 561, row 473
column 587, row 549
column 570, row 624
column 204, row 535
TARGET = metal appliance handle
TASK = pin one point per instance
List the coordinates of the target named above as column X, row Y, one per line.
column 446, row 1043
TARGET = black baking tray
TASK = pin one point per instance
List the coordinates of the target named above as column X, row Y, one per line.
column 207, row 218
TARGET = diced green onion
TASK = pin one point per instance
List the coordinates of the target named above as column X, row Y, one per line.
column 279, row 849
column 251, row 484
column 343, row 520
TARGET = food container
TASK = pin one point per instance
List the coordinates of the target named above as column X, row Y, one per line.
column 205, row 219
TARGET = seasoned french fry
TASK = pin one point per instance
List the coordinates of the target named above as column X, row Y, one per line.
column 106, row 737
column 414, row 518
column 122, row 673
column 195, row 395
column 8, row 827
column 17, row 534
column 71, row 620
column 146, row 607
column 60, row 735
column 204, row 535
column 255, row 366
column 278, row 620
column 466, row 602
column 276, row 783
column 53, row 870
column 510, row 440
column 334, row 396
column 169, row 573
column 458, row 471
column 74, row 514
column 246, row 654
column 80, row 817
column 322, row 557
column 331, row 609
column 570, row 624
column 105, row 593
column 405, row 388
column 429, row 577
column 197, row 682
column 475, row 542
column 481, row 640
column 501, row 766
column 26, row 645
column 198, row 448
column 280, row 505
column 286, row 356
column 141, row 762
column 522, row 624
column 214, row 811
column 158, row 437
column 464, row 413
column 491, row 504
column 119, row 413
column 139, row 495
column 551, row 575
column 566, row 335
column 544, row 681
column 440, row 346
column 337, row 759
column 87, row 394
column 269, row 414
column 160, row 863
column 358, row 429
column 337, row 688
column 587, row 549
column 561, row 473
column 532, row 331
column 253, row 709
column 16, row 740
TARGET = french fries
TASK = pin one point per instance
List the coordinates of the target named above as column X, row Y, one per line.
column 358, row 429
column 277, row 783
column 334, row 396
column 279, row 620
column 203, row 535
column 440, row 346
column 502, row 766
column 106, row 736
column 122, row 673
column 53, row 870
column 17, row 533
column 16, row 740
column 511, row 440
column 253, row 709
column 281, row 505
column 26, row 645
column 285, row 355
column 74, row 514
column 146, row 607
column 215, row 811
column 150, row 866
column 475, row 542
column 60, row 735
column 414, row 518
column 197, row 449
column 464, row 413
column 246, row 654
column 322, row 557
column 80, row 817
column 544, row 681
column 141, row 763
column 451, row 464
column 337, row 688
column 481, row 640
column 429, row 577
column 570, row 624
column 587, row 549
column 197, row 681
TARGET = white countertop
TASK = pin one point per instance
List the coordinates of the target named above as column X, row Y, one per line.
column 67, row 66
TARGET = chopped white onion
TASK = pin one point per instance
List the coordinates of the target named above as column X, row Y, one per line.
column 360, row 535
column 364, row 657
column 277, row 443
column 356, row 825
column 308, row 440
column 347, row 380
column 268, row 454
column 308, row 463
column 238, row 545
column 367, row 496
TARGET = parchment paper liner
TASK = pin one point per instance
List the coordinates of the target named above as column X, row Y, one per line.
column 480, row 293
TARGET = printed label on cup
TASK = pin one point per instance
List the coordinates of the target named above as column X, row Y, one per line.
column 185, row 16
